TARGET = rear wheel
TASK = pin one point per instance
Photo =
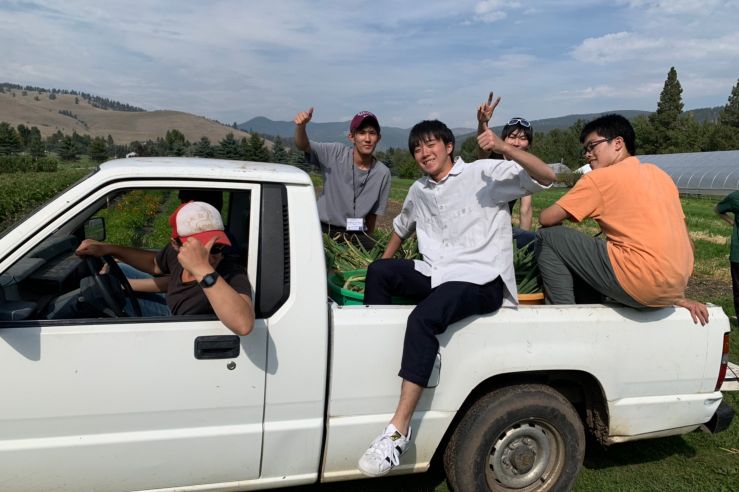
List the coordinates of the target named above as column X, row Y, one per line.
column 520, row 438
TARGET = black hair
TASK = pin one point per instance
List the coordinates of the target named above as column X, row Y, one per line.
column 611, row 126
column 508, row 129
column 430, row 129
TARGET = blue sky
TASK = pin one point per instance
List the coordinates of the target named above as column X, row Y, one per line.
column 405, row 61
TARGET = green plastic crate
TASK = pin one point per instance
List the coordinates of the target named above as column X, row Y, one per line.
column 346, row 297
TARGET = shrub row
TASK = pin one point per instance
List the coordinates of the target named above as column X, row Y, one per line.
column 27, row 164
column 22, row 192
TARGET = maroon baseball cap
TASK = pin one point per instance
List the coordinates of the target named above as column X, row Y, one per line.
column 360, row 118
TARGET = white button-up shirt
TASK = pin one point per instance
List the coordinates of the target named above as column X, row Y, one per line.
column 463, row 222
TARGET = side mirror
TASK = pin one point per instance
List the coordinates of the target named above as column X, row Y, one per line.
column 95, row 229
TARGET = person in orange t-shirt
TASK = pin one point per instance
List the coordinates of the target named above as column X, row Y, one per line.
column 647, row 256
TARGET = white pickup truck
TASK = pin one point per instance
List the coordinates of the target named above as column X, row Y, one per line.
column 180, row 403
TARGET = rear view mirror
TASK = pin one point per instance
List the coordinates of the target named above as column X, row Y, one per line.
column 95, row 229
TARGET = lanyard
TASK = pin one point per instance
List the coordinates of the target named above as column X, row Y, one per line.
column 361, row 186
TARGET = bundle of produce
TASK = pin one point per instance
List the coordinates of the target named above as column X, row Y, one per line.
column 526, row 268
column 344, row 255
column 348, row 261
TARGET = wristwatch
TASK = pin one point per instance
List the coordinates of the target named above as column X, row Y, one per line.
column 209, row 280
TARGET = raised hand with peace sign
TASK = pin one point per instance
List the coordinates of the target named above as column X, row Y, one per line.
column 485, row 110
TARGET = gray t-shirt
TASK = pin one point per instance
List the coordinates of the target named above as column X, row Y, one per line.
column 348, row 191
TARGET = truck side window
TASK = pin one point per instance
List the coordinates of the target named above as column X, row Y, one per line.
column 273, row 276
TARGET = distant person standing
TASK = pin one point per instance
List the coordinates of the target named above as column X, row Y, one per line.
column 519, row 133
column 356, row 186
column 730, row 204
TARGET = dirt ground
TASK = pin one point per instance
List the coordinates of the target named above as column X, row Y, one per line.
column 702, row 287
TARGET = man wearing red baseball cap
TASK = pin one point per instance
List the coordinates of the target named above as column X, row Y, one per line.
column 356, row 186
column 191, row 269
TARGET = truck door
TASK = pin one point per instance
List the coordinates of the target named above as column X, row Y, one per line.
column 125, row 403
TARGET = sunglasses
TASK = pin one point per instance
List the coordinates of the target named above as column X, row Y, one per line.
column 519, row 121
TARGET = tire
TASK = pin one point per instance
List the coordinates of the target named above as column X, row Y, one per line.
column 520, row 438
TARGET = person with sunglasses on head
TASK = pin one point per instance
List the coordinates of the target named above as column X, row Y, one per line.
column 519, row 133
column 647, row 256
column 459, row 213
column 192, row 269
column 356, row 186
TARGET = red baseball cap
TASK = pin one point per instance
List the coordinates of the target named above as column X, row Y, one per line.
column 360, row 118
column 199, row 220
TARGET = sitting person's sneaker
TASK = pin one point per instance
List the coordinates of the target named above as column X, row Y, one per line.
column 384, row 452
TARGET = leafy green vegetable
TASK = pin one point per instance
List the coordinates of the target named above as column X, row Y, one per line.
column 527, row 269
column 343, row 255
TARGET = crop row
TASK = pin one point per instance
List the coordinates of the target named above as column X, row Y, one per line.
column 22, row 192
column 129, row 218
column 27, row 164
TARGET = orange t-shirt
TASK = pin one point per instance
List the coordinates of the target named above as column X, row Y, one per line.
column 638, row 208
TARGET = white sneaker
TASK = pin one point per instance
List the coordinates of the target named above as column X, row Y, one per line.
column 384, row 452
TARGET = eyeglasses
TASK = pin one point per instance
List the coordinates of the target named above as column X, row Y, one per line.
column 217, row 249
column 519, row 121
column 591, row 145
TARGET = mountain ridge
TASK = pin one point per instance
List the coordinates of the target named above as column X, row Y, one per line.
column 398, row 137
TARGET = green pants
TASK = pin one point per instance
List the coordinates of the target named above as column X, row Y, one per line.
column 575, row 269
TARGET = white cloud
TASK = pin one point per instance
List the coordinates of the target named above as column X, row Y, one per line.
column 234, row 60
column 494, row 10
column 630, row 46
column 512, row 61
column 681, row 7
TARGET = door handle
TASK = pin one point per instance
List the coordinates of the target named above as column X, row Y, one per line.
column 217, row 347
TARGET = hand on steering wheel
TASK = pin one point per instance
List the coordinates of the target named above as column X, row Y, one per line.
column 109, row 296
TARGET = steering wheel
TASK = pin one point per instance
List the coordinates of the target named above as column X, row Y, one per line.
column 107, row 290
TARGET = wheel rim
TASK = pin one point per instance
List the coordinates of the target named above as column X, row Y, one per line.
column 526, row 456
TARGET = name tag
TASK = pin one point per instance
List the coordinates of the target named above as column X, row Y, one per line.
column 355, row 224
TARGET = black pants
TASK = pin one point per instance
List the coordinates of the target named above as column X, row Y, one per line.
column 437, row 308
column 735, row 286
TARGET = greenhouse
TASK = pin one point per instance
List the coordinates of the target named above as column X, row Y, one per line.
column 700, row 173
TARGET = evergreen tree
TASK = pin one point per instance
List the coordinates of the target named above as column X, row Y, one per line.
column 719, row 137
column 729, row 116
column 646, row 137
column 279, row 153
column 469, row 150
column 245, row 150
column 99, row 150
column 68, row 150
column 10, row 141
column 667, row 119
column 203, row 148
column 228, row 148
column 82, row 142
column 176, row 143
column 297, row 158
column 256, row 150
column 36, row 146
column 112, row 148
column 25, row 135
column 53, row 141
